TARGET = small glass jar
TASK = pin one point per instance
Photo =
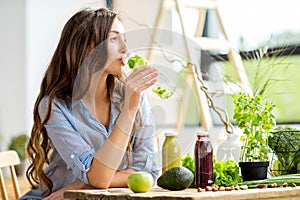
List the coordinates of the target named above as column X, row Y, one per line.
column 170, row 152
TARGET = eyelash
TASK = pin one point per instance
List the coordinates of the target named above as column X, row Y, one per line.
column 114, row 39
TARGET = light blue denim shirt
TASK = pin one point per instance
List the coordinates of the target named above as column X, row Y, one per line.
column 76, row 135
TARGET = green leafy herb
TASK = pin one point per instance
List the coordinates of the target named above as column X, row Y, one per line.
column 285, row 142
column 136, row 61
column 255, row 116
column 162, row 92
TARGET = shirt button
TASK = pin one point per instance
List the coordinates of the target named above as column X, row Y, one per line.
column 72, row 156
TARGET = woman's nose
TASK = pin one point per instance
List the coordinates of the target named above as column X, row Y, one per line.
column 123, row 45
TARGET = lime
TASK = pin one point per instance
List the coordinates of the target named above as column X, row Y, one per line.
column 140, row 182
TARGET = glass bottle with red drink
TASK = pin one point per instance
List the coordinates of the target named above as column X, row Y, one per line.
column 203, row 161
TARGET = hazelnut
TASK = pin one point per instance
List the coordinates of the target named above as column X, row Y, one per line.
column 285, row 185
column 243, row 187
column 262, row 186
column 222, row 188
column 274, row 185
column 293, row 185
column 228, row 188
column 237, row 187
column 208, row 188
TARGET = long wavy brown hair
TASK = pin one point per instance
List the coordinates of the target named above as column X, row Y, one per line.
column 84, row 31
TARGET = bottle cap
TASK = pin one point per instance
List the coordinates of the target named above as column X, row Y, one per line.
column 171, row 134
column 202, row 133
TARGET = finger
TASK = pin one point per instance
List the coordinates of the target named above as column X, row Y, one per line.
column 148, row 77
column 146, row 85
column 137, row 86
column 137, row 89
column 141, row 72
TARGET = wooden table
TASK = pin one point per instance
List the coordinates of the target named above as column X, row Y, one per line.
column 191, row 194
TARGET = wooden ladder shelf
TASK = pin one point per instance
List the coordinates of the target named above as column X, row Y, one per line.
column 204, row 43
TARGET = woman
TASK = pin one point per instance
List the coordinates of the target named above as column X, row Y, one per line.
column 92, row 128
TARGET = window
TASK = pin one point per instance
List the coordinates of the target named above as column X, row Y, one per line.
column 253, row 24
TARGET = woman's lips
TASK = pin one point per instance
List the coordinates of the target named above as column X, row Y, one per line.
column 122, row 60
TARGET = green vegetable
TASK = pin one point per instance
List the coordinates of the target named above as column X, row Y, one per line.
column 277, row 168
column 226, row 173
column 189, row 163
column 136, row 61
column 162, row 92
column 176, row 178
column 255, row 117
column 279, row 180
column 285, row 142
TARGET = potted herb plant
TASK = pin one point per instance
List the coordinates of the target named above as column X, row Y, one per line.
column 18, row 143
column 254, row 115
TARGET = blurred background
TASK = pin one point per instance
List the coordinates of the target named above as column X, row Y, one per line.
column 30, row 30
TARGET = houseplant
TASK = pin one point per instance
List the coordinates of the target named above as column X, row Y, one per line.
column 18, row 143
column 285, row 143
column 254, row 115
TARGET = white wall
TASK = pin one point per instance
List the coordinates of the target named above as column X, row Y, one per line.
column 12, row 69
column 28, row 35
column 137, row 13
column 44, row 23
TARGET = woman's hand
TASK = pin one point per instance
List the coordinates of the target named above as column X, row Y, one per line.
column 138, row 81
column 59, row 194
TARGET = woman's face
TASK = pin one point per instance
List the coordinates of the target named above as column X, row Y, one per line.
column 116, row 48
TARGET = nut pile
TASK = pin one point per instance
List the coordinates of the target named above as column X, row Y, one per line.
column 274, row 185
column 216, row 188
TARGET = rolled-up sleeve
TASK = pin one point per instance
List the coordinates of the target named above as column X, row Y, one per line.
column 71, row 145
column 145, row 147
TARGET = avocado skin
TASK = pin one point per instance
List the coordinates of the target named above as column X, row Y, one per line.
column 176, row 178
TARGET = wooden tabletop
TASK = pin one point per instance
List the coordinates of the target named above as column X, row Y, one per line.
column 288, row 193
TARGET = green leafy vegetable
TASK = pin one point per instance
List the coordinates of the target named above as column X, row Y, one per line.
column 189, row 162
column 136, row 61
column 285, row 142
column 162, row 92
column 226, row 173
